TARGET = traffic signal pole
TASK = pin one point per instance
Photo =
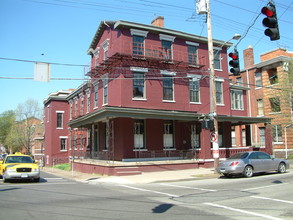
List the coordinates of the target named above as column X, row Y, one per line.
column 213, row 104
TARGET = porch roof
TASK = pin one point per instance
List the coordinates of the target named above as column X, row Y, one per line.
column 116, row 112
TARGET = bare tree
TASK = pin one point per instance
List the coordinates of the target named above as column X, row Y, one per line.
column 28, row 119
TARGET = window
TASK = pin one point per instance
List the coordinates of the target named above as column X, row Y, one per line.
column 194, row 90
column 105, row 100
column 88, row 107
column 63, row 145
column 105, row 46
column 217, row 58
column 139, row 134
column 243, row 137
column 137, row 45
column 233, row 138
column 192, row 54
column 275, row 104
column 168, row 134
column 258, row 82
column 272, row 74
column 260, row 107
column 239, row 81
column 262, row 138
column 96, row 95
column 59, row 119
column 138, row 84
column 237, row 100
column 167, row 87
column 81, row 104
column 219, row 92
column 71, row 109
column 277, row 133
column 195, row 136
column 167, row 49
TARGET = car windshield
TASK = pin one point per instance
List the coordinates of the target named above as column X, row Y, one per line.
column 239, row 155
column 19, row 159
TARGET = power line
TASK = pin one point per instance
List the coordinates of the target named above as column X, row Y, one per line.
column 34, row 61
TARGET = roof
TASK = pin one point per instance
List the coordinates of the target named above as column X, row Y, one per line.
column 113, row 112
column 273, row 61
column 153, row 29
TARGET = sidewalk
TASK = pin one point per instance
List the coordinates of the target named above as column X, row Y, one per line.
column 147, row 177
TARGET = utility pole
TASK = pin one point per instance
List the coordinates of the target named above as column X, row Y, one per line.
column 213, row 102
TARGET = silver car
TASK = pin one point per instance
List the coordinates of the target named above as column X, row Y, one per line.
column 248, row 163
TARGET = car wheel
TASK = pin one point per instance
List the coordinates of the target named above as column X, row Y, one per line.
column 36, row 180
column 248, row 171
column 282, row 168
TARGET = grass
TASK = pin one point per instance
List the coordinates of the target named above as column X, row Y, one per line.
column 63, row 166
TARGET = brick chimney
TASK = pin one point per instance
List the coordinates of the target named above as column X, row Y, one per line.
column 248, row 57
column 158, row 21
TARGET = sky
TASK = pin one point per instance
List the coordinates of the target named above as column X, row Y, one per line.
column 60, row 32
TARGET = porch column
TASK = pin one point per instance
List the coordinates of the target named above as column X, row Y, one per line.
column 268, row 138
column 205, row 145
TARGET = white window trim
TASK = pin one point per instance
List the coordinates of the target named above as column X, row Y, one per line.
column 138, row 32
column 192, row 43
column 63, row 137
column 167, row 37
column 166, row 72
column 139, row 69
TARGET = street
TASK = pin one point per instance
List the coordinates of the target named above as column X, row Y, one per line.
column 266, row 196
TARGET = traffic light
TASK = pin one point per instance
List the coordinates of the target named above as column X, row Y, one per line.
column 271, row 22
column 234, row 63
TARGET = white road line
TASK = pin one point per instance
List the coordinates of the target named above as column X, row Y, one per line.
column 152, row 191
column 187, row 187
column 262, row 187
column 276, row 200
column 243, row 211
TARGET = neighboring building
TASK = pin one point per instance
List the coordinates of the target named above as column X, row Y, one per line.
column 146, row 100
column 56, row 116
column 270, row 95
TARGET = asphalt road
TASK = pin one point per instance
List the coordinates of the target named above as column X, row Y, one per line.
column 267, row 196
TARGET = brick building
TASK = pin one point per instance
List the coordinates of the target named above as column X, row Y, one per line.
column 270, row 95
column 147, row 97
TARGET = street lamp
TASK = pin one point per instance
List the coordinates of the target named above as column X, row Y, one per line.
column 213, row 103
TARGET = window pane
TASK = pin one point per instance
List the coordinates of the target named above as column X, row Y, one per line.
column 217, row 59
column 167, row 88
column 167, row 49
column 219, row 93
column 194, row 90
column 138, row 45
column 138, row 85
column 192, row 54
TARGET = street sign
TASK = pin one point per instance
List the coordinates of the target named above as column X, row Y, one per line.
column 213, row 136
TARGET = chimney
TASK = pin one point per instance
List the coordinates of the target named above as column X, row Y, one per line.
column 158, row 21
column 248, row 57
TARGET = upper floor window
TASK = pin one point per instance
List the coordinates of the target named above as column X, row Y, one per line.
column 105, row 46
column 192, row 49
column 168, row 85
column 219, row 92
column 167, row 46
column 137, row 45
column 237, row 99
column 138, row 84
column 217, row 58
column 260, row 107
column 273, row 76
column 194, row 90
column 275, row 104
column 96, row 95
column 258, row 82
column 105, row 99
column 88, row 102
column 60, row 119
column 239, row 81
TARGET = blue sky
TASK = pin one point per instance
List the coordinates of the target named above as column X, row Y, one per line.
column 60, row 31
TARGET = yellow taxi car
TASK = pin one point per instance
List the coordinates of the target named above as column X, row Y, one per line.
column 19, row 166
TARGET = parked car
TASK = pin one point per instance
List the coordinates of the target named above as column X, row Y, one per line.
column 19, row 166
column 248, row 163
